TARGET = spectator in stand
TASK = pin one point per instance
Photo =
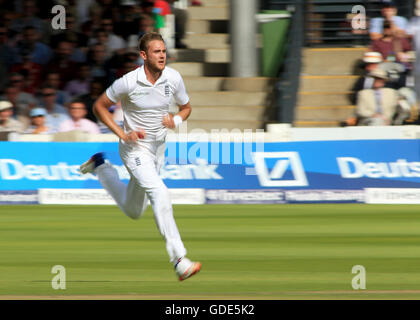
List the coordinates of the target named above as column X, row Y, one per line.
column 8, row 55
column 20, row 81
column 371, row 61
column 83, row 11
column 7, row 123
column 8, row 14
column 106, row 8
column 30, row 19
column 6, row 19
column 161, row 9
column 78, row 112
column 99, row 66
column 147, row 7
column 40, row 52
column 414, row 32
column 31, row 70
column 38, row 122
column 100, row 38
column 53, row 79
column 70, row 34
column 48, row 100
column 80, row 85
column 181, row 19
column 389, row 13
column 96, row 88
column 112, row 43
column 86, row 33
column 145, row 25
column 391, row 46
column 17, row 80
column 22, row 101
column 115, row 44
column 407, row 106
column 56, row 113
column 95, row 16
column 129, row 63
column 62, row 63
column 128, row 21
column 377, row 106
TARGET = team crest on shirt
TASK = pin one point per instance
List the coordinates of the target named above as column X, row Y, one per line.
column 167, row 90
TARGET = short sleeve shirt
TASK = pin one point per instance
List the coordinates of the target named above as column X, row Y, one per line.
column 376, row 24
column 144, row 104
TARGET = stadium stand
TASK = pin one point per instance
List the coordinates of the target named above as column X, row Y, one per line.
column 331, row 51
column 313, row 83
column 219, row 100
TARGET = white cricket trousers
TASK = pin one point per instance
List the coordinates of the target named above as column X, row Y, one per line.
column 145, row 183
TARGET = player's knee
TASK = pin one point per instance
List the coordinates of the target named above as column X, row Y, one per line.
column 135, row 210
column 133, row 214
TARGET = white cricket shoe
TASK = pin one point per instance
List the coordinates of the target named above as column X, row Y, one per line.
column 185, row 268
column 95, row 161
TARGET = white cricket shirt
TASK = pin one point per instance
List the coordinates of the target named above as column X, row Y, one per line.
column 144, row 104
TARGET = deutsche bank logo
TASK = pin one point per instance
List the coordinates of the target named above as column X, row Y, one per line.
column 275, row 177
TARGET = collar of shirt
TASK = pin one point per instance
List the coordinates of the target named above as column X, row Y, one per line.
column 141, row 77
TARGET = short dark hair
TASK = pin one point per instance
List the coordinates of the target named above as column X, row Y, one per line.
column 77, row 100
column 147, row 38
column 388, row 4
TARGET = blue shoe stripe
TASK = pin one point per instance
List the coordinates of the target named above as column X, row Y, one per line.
column 99, row 159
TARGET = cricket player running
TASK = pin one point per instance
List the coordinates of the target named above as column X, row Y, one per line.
column 145, row 96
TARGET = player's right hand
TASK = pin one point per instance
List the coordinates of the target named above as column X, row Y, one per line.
column 133, row 136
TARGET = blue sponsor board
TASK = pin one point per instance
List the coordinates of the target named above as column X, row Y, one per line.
column 318, row 165
column 19, row 197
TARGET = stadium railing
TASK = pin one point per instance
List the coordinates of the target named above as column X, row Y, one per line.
column 328, row 22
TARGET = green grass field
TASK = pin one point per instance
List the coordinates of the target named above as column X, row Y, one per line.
column 247, row 252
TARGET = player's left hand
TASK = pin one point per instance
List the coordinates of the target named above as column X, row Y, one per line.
column 168, row 121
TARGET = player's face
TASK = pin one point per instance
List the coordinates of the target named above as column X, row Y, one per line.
column 155, row 57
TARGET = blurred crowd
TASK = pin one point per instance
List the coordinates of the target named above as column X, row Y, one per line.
column 387, row 91
column 50, row 77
